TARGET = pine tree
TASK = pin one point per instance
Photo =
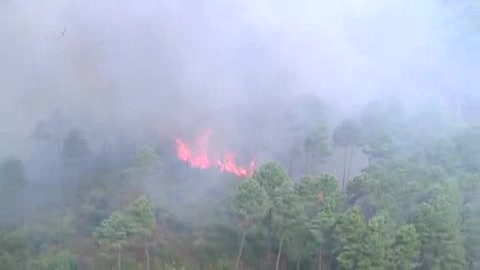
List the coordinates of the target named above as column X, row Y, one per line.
column 142, row 214
column 286, row 215
column 470, row 188
column 359, row 244
column 250, row 204
column 348, row 236
column 272, row 178
column 321, row 200
column 438, row 225
column 113, row 234
column 405, row 250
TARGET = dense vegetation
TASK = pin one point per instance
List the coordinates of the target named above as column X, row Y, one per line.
column 414, row 205
column 341, row 182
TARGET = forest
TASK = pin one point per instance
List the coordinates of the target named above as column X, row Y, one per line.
column 415, row 205
column 210, row 135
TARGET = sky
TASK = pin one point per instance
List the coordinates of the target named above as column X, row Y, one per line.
column 178, row 67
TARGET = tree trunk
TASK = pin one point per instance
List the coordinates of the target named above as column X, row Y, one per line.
column 279, row 255
column 326, row 263
column 270, row 238
column 350, row 161
column 119, row 259
column 290, row 163
column 147, row 254
column 307, row 162
column 320, row 260
column 298, row 264
column 345, row 161
column 237, row 264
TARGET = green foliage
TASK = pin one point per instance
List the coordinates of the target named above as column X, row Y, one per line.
column 384, row 129
column 415, row 206
column 75, row 146
column 363, row 192
column 468, row 147
column 319, row 192
column 376, row 245
column 250, row 202
column 271, row 176
column 443, row 153
column 317, row 147
column 122, row 227
column 286, row 210
column 145, row 161
column 361, row 244
column 12, row 175
column 348, row 133
column 321, row 201
column 113, row 232
column 63, row 260
column 348, row 235
column 38, row 235
column 470, row 187
column 405, row 250
column 142, row 215
column 380, row 147
column 7, row 260
column 438, row 225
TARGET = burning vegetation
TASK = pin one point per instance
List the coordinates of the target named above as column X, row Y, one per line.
column 368, row 113
column 199, row 155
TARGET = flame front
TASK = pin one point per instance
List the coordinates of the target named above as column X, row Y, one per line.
column 200, row 158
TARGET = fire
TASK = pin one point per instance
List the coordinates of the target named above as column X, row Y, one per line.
column 199, row 157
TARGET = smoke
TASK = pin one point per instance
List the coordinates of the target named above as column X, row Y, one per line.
column 180, row 67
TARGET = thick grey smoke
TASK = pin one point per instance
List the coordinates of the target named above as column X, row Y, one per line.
column 178, row 67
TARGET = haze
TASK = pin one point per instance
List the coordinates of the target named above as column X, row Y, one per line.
column 140, row 64
column 93, row 95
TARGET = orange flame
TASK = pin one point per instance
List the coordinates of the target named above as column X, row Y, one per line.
column 201, row 159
